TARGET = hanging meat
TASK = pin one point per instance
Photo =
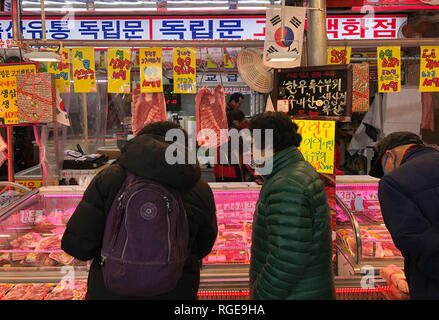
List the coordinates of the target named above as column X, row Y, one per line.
column 211, row 114
column 147, row 108
column 427, row 121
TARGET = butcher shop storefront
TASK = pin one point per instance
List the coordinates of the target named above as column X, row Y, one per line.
column 111, row 69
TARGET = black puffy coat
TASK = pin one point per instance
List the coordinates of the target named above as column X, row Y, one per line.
column 144, row 156
column 409, row 199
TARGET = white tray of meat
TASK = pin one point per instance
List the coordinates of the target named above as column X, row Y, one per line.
column 28, row 291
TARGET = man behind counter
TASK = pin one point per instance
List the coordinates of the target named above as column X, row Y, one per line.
column 235, row 101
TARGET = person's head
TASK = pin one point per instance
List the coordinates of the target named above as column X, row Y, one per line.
column 235, row 100
column 284, row 130
column 235, row 118
column 389, row 152
column 160, row 128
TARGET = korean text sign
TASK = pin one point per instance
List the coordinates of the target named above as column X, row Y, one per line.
column 83, row 62
column 389, row 69
column 118, row 70
column 185, row 70
column 429, row 70
column 61, row 70
column 317, row 146
column 151, row 79
column 320, row 93
column 8, row 90
column 339, row 55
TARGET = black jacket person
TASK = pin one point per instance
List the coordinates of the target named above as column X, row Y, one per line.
column 144, row 156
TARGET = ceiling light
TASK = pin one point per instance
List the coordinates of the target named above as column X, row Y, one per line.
column 42, row 56
column 283, row 56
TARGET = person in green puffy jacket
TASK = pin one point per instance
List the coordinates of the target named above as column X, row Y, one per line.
column 291, row 247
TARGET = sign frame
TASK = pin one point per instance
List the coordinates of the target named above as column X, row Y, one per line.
column 349, row 78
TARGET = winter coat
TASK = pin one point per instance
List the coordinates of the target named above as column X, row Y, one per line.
column 291, row 248
column 144, row 156
column 409, row 199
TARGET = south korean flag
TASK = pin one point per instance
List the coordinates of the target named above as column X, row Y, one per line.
column 294, row 23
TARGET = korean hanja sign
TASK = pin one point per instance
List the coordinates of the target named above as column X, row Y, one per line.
column 150, row 61
column 318, row 141
column 292, row 41
column 83, row 63
column 118, row 70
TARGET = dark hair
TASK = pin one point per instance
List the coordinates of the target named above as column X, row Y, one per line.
column 284, row 129
column 235, row 114
column 235, row 97
column 160, row 128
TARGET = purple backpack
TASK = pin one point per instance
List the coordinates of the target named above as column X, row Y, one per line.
column 146, row 239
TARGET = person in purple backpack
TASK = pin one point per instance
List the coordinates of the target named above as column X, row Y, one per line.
column 143, row 157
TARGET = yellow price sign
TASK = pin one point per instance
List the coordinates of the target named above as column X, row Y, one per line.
column 339, row 55
column 318, row 143
column 118, row 70
column 151, row 78
column 389, row 69
column 185, row 70
column 84, row 77
column 61, row 70
column 429, row 70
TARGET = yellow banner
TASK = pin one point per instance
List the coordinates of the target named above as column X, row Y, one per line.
column 150, row 61
column 61, row 70
column 429, row 70
column 339, row 55
column 8, row 90
column 389, row 69
column 83, row 62
column 318, row 143
column 185, row 70
column 118, row 71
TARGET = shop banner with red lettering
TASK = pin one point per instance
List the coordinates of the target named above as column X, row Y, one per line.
column 151, row 78
column 429, row 70
column 83, row 66
column 61, row 70
column 118, row 71
column 339, row 55
column 389, row 69
column 185, row 70
column 8, row 90
column 318, row 142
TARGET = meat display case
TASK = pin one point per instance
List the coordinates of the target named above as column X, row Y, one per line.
column 363, row 240
column 32, row 265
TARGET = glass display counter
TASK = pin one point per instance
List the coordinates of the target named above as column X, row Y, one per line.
column 362, row 238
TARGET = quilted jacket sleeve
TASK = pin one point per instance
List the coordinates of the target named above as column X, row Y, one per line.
column 289, row 228
column 84, row 232
column 411, row 232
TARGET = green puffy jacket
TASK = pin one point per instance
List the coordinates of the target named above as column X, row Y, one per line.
column 291, row 243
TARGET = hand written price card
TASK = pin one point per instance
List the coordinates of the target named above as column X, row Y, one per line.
column 83, row 61
column 119, row 64
column 61, row 69
column 389, row 69
column 151, row 79
column 339, row 55
column 317, row 146
column 185, row 70
column 321, row 93
column 8, row 90
column 429, row 70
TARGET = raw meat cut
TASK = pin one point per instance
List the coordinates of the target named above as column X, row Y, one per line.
column 4, row 287
column 211, row 114
column 71, row 290
column 61, row 257
column 43, row 224
column 147, row 108
column 427, row 121
column 39, row 259
column 37, row 291
column 49, row 243
column 27, row 241
column 17, row 292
